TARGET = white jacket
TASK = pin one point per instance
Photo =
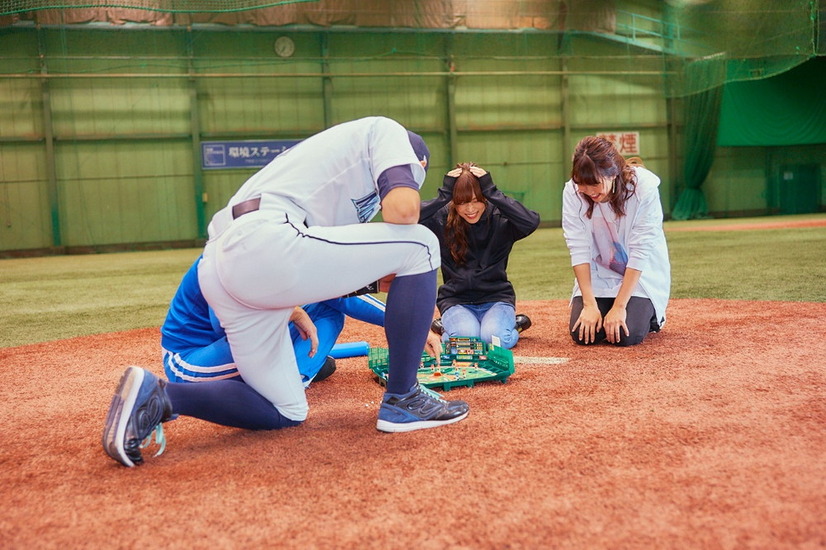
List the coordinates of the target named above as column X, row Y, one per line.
column 641, row 234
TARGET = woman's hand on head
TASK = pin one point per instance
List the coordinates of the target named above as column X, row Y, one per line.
column 477, row 171
column 455, row 173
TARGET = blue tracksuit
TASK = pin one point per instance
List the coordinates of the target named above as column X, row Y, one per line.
column 195, row 347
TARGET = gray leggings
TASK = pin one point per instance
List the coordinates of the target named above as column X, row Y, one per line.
column 641, row 319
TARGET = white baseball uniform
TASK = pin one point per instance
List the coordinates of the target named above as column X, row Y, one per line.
column 307, row 242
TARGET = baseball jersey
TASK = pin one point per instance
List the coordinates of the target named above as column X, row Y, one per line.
column 343, row 189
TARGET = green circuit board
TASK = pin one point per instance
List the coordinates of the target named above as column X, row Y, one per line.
column 465, row 362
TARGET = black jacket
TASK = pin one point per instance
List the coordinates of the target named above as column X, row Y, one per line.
column 483, row 277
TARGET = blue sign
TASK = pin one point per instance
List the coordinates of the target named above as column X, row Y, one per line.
column 216, row 155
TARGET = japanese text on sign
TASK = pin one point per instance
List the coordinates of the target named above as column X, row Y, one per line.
column 241, row 154
column 627, row 143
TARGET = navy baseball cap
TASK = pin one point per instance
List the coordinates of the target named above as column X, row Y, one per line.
column 419, row 147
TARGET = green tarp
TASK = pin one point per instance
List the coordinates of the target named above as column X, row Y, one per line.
column 787, row 109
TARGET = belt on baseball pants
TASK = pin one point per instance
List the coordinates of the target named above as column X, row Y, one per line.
column 249, row 205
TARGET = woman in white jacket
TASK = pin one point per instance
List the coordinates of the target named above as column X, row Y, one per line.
column 612, row 222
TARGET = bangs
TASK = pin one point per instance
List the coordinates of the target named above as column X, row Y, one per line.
column 585, row 172
column 465, row 188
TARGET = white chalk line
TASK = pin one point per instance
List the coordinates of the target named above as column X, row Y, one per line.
column 540, row 360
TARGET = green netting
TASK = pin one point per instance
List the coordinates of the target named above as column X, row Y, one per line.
column 733, row 40
column 702, row 44
column 9, row 7
column 702, row 111
column 787, row 109
column 691, row 205
column 108, row 84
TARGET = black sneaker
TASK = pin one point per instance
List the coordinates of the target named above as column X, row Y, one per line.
column 418, row 409
column 326, row 370
column 523, row 323
column 139, row 407
column 436, row 326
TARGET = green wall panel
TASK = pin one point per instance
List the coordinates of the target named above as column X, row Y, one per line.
column 615, row 102
column 799, row 155
column 749, row 180
column 508, row 102
column 524, row 94
column 21, row 106
column 22, row 163
column 396, row 47
column 25, row 220
column 124, row 141
column 125, row 193
column 220, row 186
column 259, row 105
column 403, row 87
column 737, row 181
column 24, row 217
column 255, row 106
column 415, row 102
column 118, row 47
column 113, row 107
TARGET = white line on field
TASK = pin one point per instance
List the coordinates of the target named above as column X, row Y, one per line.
column 540, row 360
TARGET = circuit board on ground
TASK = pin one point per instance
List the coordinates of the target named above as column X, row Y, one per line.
column 465, row 362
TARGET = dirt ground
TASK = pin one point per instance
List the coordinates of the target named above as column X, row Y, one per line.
column 711, row 434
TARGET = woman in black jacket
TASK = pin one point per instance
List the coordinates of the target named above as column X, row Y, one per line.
column 477, row 226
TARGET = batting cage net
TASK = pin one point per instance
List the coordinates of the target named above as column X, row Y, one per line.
column 698, row 44
column 133, row 121
column 168, row 6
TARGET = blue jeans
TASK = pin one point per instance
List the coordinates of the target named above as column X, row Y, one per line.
column 482, row 321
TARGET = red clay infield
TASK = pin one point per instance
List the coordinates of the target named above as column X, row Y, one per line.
column 739, row 225
column 711, row 434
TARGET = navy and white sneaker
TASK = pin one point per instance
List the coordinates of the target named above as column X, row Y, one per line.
column 418, row 409
column 139, row 407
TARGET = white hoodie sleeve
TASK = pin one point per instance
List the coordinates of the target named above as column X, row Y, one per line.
column 646, row 225
column 576, row 227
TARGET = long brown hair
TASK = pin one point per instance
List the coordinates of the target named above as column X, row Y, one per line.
column 466, row 186
column 595, row 159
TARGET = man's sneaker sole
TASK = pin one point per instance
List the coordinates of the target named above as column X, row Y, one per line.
column 120, row 410
column 398, row 427
column 326, row 370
